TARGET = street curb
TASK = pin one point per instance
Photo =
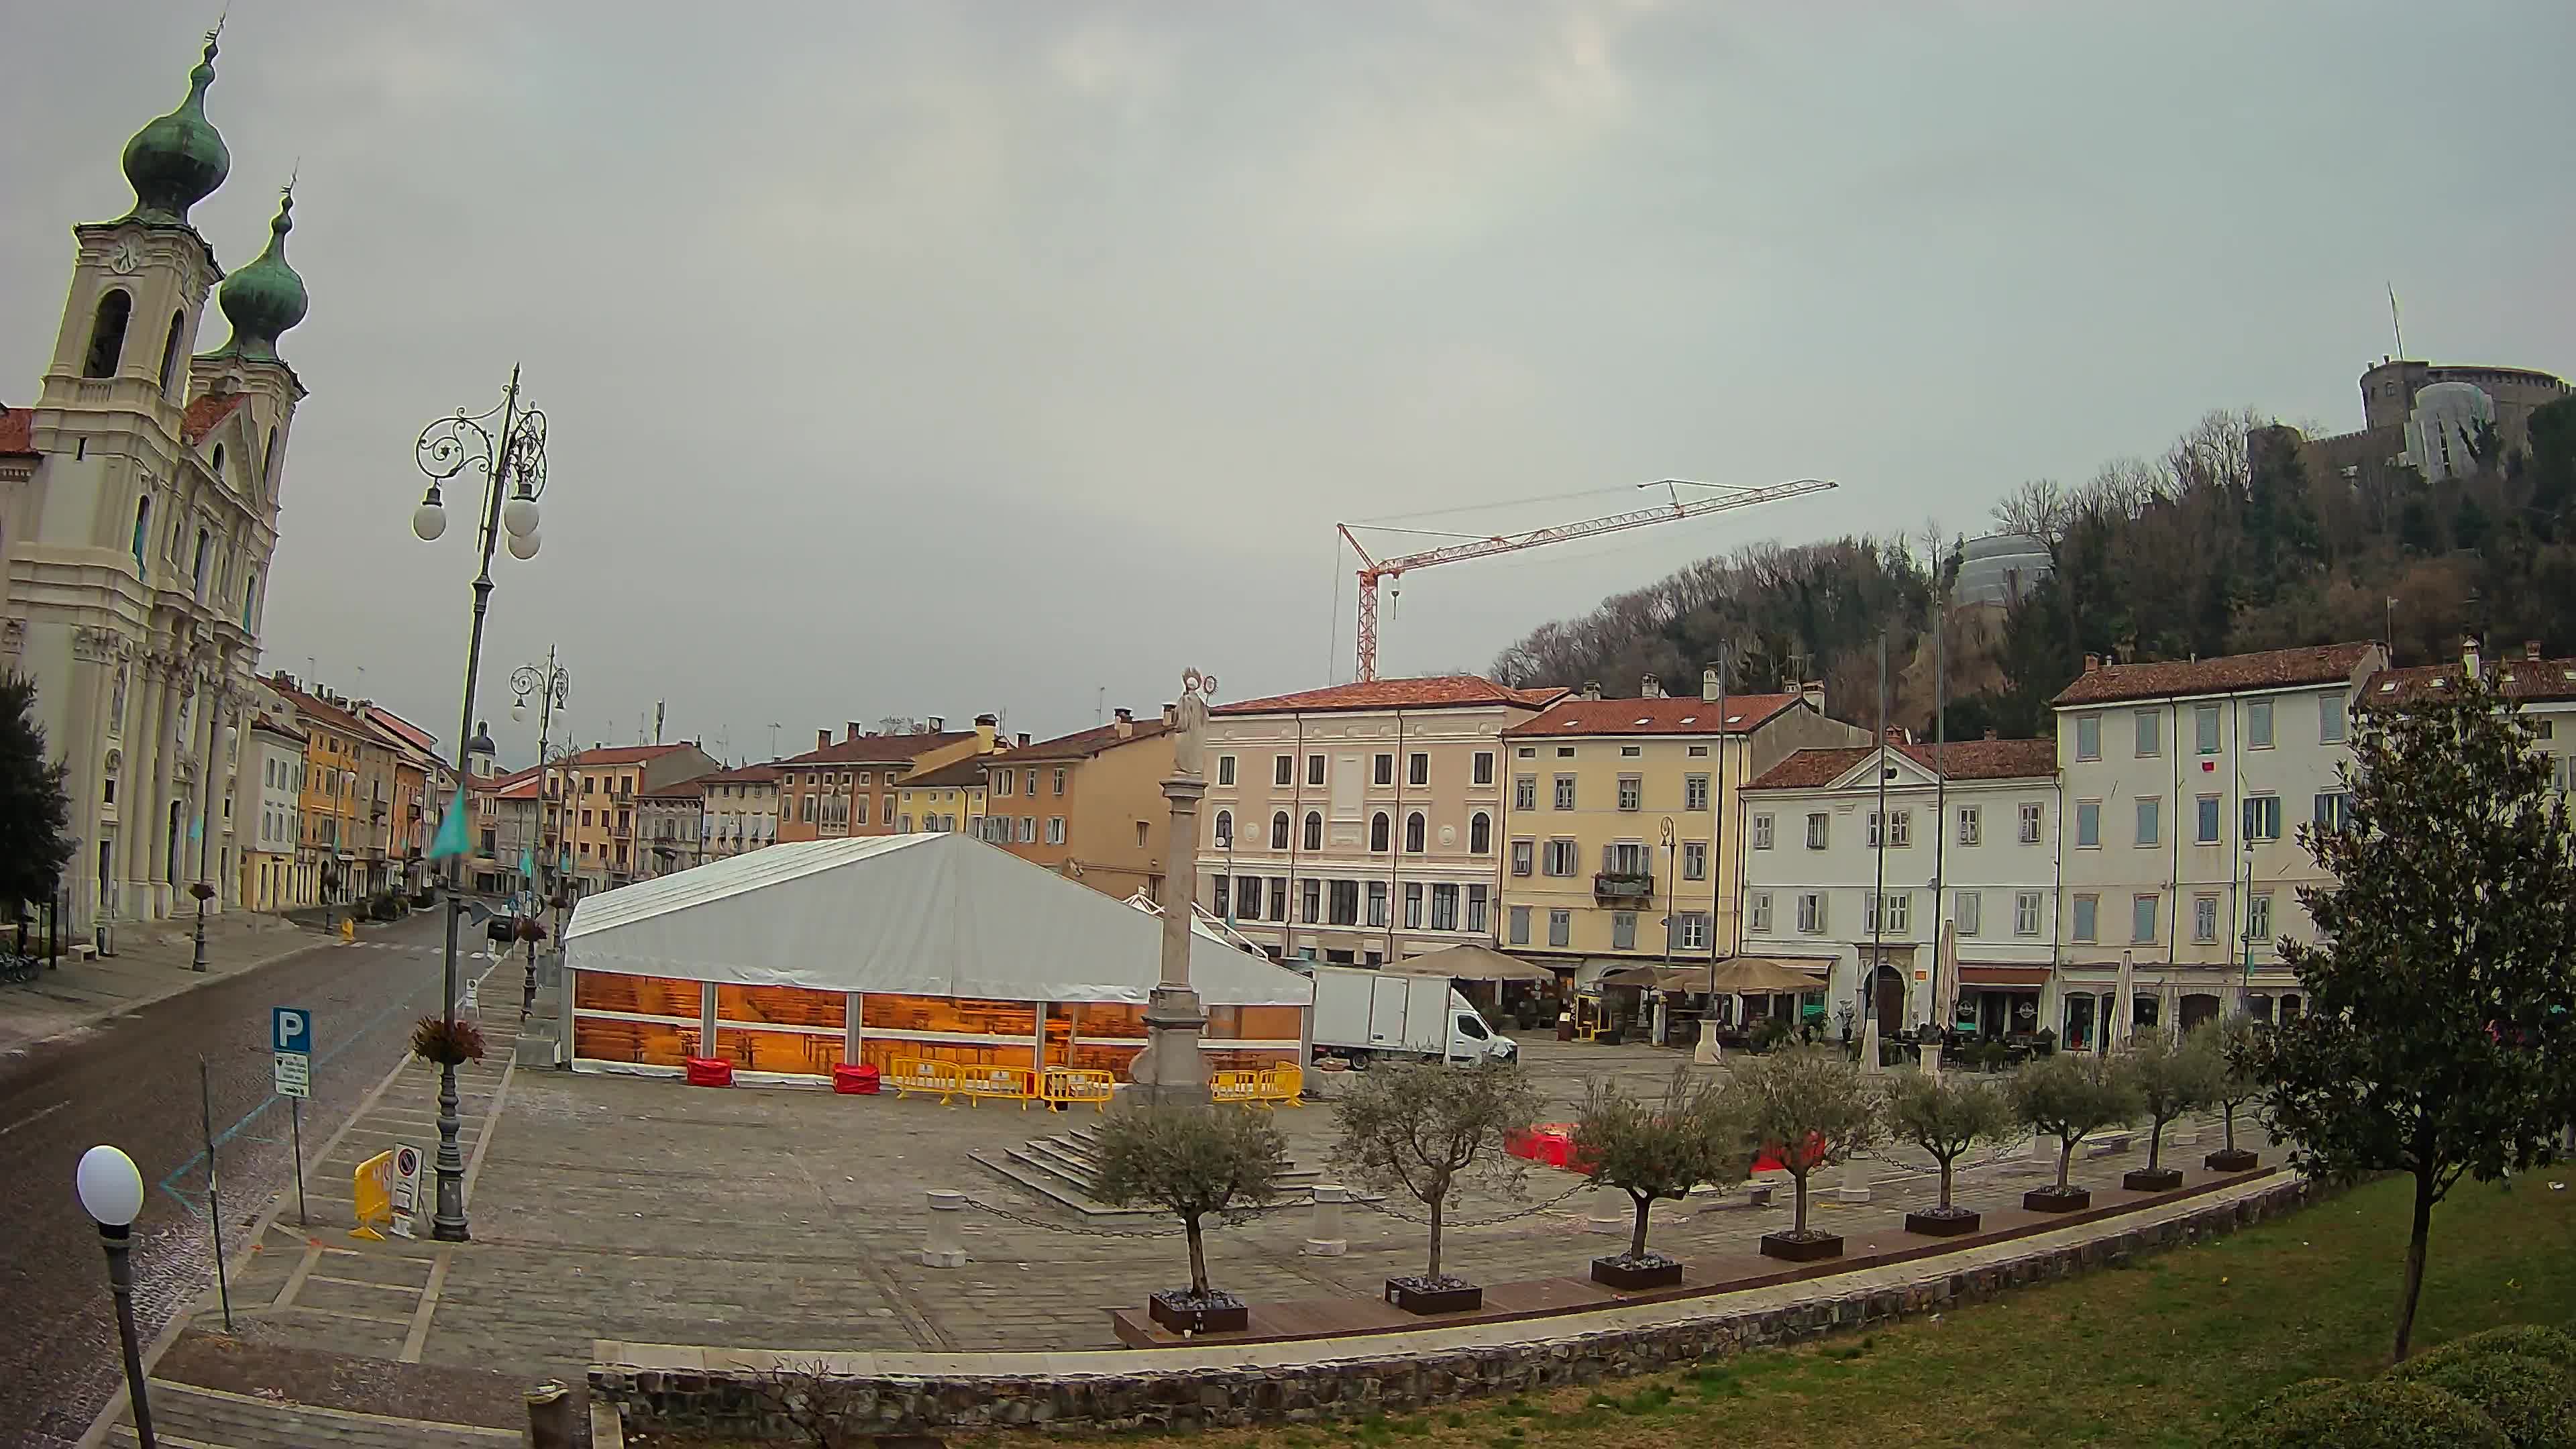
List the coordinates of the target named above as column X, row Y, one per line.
column 91, row 1023
column 96, row 1436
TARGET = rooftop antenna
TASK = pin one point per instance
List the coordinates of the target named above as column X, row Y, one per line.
column 773, row 739
column 658, row 706
column 1100, row 706
column 2393, row 324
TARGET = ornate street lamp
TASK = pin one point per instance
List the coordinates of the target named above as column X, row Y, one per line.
column 513, row 463
column 111, row 1192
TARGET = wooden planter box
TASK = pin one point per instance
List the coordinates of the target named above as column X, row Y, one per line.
column 2235, row 1159
column 1415, row 1295
column 2151, row 1179
column 1186, row 1312
column 1637, row 1274
column 1790, row 1249
column 1937, row 1224
column 2050, row 1200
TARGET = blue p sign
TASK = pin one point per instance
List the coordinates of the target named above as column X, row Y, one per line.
column 290, row 1029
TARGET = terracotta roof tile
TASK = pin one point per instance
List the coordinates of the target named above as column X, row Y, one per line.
column 1445, row 691
column 17, row 432
column 1083, row 744
column 619, row 755
column 207, row 413
column 1692, row 716
column 876, row 749
column 747, row 775
column 677, row 790
column 2272, row 669
column 1964, row 759
column 2520, row 677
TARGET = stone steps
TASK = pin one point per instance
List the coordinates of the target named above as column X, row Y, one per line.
column 187, row 1417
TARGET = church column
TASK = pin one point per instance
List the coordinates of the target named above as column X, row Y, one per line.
column 139, row 798
column 169, row 745
column 85, row 738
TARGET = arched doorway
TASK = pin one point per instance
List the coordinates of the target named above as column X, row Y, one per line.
column 2198, row 1009
column 1887, row 995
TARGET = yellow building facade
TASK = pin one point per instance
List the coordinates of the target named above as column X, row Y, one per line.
column 1618, row 817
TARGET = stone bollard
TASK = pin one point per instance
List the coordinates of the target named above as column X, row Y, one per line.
column 1610, row 1211
column 947, row 1246
column 1706, row 1052
column 2185, row 1132
column 1855, row 1186
column 1932, row 1060
column 552, row 1423
column 1326, row 1237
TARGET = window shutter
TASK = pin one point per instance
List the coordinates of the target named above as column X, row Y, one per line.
column 1609, row 860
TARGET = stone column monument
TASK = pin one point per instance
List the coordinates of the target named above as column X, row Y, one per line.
column 1170, row 1071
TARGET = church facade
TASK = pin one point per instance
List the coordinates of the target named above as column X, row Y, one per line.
column 138, row 514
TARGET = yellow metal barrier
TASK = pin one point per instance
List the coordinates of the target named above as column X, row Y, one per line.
column 1061, row 1087
column 1259, row 1087
column 1018, row 1084
column 373, row 1186
column 923, row 1074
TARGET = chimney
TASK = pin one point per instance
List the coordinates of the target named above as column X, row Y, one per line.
column 938, row 724
column 1021, row 739
column 850, row 730
column 1124, row 723
column 1813, row 691
column 1708, row 685
column 2092, row 663
column 2469, row 655
column 1650, row 688
column 1171, row 715
column 822, row 739
column 2531, row 649
column 987, row 731
column 1592, row 689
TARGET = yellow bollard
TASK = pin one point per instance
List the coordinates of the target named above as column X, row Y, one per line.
column 348, row 930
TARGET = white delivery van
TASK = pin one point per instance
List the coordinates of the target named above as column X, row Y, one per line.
column 1360, row 1014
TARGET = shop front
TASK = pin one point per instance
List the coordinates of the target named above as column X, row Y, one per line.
column 1997, row 1001
column 940, row 948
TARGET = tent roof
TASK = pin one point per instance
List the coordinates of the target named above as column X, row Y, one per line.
column 926, row 914
column 1761, row 975
column 1470, row 963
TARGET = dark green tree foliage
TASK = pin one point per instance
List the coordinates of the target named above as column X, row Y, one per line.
column 35, row 818
column 2374, row 1415
column 1808, row 1107
column 1192, row 1162
column 1657, row 1149
column 2171, row 1080
column 2440, row 1035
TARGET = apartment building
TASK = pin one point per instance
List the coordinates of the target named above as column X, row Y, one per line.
column 1360, row 823
column 330, row 838
column 1857, row 859
column 272, row 756
column 670, row 828
column 417, row 786
column 590, row 801
column 852, row 787
column 1090, row 805
column 1619, row 821
column 948, row 799
column 2544, row 688
column 2184, row 785
column 741, row 810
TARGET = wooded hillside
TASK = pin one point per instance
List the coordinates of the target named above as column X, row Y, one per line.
column 2214, row 547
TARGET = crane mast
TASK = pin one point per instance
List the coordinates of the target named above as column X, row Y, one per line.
column 1373, row 570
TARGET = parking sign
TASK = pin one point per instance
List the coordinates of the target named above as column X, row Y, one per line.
column 290, row 1029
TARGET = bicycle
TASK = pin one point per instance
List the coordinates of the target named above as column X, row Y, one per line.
column 17, row 970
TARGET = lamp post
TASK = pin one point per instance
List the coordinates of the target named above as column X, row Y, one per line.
column 552, row 686
column 111, row 1192
column 513, row 463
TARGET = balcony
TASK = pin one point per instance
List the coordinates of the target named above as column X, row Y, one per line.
column 1617, row 885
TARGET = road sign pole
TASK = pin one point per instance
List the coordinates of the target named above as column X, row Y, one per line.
column 295, row 1125
column 214, row 1195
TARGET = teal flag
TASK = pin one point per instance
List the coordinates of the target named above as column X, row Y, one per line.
column 451, row 831
column 528, row 863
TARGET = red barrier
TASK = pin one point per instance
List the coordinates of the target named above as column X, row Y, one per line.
column 710, row 1072
column 855, row 1079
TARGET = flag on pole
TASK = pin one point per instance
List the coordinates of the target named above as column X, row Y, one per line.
column 451, row 831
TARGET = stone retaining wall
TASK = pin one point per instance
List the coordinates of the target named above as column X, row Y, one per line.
column 737, row 1391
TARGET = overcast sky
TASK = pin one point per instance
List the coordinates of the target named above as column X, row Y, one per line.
column 944, row 357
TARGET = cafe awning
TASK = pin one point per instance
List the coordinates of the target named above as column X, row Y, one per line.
column 1766, row 975
column 1470, row 963
column 2032, row 977
column 1656, row 978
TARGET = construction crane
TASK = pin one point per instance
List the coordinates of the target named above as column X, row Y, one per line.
column 1374, row 570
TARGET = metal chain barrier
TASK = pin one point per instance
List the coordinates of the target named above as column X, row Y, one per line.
column 1078, row 1230
column 1424, row 1221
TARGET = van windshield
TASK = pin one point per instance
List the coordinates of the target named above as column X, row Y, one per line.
column 1471, row 1027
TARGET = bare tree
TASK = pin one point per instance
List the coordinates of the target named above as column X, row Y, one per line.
column 820, row 1409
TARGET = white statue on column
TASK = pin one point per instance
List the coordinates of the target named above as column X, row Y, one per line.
column 1170, row 1070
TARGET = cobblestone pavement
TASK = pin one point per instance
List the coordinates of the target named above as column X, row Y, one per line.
column 637, row 1209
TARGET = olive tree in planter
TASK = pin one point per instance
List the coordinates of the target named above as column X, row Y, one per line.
column 1654, row 1150
column 2238, row 1044
column 1946, row 1116
column 1423, row 1130
column 2070, row 1097
column 2171, row 1078
column 1814, row 1109
column 1192, row 1162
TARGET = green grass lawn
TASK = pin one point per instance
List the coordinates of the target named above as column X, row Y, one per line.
column 2160, row 1353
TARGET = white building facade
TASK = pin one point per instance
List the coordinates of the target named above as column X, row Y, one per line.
column 138, row 513
column 2185, row 783
column 1343, row 824
column 741, row 811
column 273, row 764
column 1967, row 842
